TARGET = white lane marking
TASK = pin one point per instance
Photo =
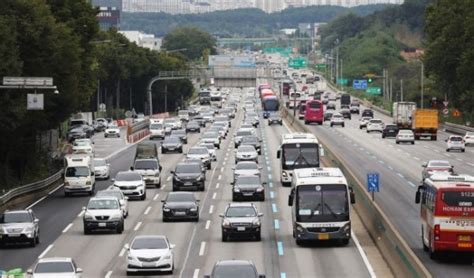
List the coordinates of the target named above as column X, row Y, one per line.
column 411, row 184
column 223, row 164
column 67, row 228
column 400, row 175
column 122, row 251
column 361, row 148
column 109, row 274
column 446, row 154
column 436, row 151
column 211, row 209
column 381, row 162
column 156, row 196
column 214, row 195
column 471, row 164
column 168, row 178
column 45, row 251
column 458, row 159
column 225, row 159
column 202, row 249
column 399, row 150
column 137, row 226
column 147, row 210
column 390, row 167
column 81, row 214
column 56, row 189
column 35, row 203
column 391, row 146
column 363, row 255
column 208, row 224
column 222, row 169
column 196, row 273
column 164, row 186
column 217, row 185
column 416, row 158
column 219, row 177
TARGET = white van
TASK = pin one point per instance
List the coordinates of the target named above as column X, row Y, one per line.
column 79, row 174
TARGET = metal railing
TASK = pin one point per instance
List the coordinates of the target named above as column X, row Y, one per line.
column 29, row 188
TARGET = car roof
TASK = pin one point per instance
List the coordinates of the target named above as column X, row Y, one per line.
column 150, row 236
column 103, row 198
column 17, row 211
column 234, row 262
column 55, row 259
column 247, row 205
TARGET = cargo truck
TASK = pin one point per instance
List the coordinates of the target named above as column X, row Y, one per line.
column 425, row 123
column 403, row 114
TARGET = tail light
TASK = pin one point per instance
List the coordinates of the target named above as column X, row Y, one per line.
column 437, row 232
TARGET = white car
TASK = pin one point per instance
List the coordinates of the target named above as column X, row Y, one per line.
column 157, row 130
column 200, row 153
column 363, row 122
column 83, row 146
column 374, row 125
column 103, row 213
column 246, row 168
column 55, row 267
column 405, row 136
column 131, row 183
column 246, row 153
column 455, row 142
column 150, row 253
column 337, row 119
column 101, row 168
column 469, row 138
column 212, row 137
column 211, row 149
column 114, row 192
column 112, row 131
column 175, row 123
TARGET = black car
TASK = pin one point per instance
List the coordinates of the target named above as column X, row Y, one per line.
column 275, row 118
column 368, row 113
column 172, row 144
column 193, row 126
column 252, row 140
column 200, row 120
column 248, row 188
column 188, row 176
column 328, row 115
column 355, row 108
column 180, row 206
column 346, row 113
column 234, row 269
column 241, row 220
column 79, row 132
column 181, row 133
column 389, row 131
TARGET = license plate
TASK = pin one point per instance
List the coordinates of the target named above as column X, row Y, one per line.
column 464, row 245
column 240, row 229
column 248, row 194
column 188, row 183
column 323, row 236
column 464, row 238
column 102, row 224
column 14, row 235
column 180, row 213
column 148, row 264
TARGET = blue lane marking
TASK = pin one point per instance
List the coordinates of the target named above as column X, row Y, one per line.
column 280, row 248
column 282, row 275
column 272, row 194
column 270, row 184
column 269, row 168
column 269, row 176
column 277, row 224
column 274, row 208
column 411, row 184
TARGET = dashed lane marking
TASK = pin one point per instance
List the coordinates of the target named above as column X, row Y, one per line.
column 196, row 273
column 280, row 248
column 45, row 251
column 202, row 249
column 211, row 209
column 274, row 208
column 276, row 223
column 156, row 196
column 137, row 226
column 67, row 228
column 208, row 224
column 147, row 210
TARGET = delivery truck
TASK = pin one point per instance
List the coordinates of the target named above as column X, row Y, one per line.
column 403, row 114
column 425, row 123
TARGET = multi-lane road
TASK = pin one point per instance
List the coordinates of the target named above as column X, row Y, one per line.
column 400, row 169
column 198, row 245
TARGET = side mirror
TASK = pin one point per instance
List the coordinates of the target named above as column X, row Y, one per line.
column 131, row 168
column 278, row 154
column 160, row 167
column 126, row 246
column 418, row 194
column 113, row 180
column 172, row 246
column 83, row 208
column 260, row 214
column 321, row 151
column 126, row 197
column 352, row 195
column 79, row 270
column 172, row 171
column 108, row 164
column 424, row 164
column 290, row 197
column 122, row 202
column 36, row 221
column 29, row 272
column 221, row 215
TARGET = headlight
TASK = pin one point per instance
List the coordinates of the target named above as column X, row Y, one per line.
column 166, row 209
column 299, row 228
column 2, row 231
column 236, row 189
column 193, row 209
column 29, row 229
column 66, row 183
column 88, row 183
column 199, row 178
column 284, row 174
column 226, row 224
column 116, row 217
column 260, row 189
column 167, row 257
column 157, row 174
column 131, row 258
column 256, row 222
column 176, row 178
column 88, row 216
column 347, row 227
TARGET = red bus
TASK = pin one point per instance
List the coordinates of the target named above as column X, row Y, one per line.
column 447, row 213
column 314, row 112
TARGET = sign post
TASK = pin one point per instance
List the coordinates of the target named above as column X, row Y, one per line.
column 373, row 183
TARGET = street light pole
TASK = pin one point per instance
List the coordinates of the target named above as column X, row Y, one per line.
column 422, row 83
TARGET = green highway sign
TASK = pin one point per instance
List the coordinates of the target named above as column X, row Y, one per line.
column 342, row 81
column 374, row 90
column 297, row 63
column 320, row 67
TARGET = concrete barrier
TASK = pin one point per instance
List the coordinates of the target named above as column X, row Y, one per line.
column 401, row 259
column 137, row 136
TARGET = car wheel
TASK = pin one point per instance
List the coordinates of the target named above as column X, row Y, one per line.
column 463, row 150
column 331, row 125
column 202, row 187
column 86, row 231
column 344, row 241
column 196, row 219
column 209, row 166
column 281, row 123
column 258, row 236
column 67, row 194
column 181, row 150
column 224, row 237
column 33, row 242
column 37, row 238
column 397, row 142
column 383, row 136
column 163, row 150
column 360, row 127
column 413, row 142
column 119, row 229
column 143, row 197
column 343, row 125
column 447, row 150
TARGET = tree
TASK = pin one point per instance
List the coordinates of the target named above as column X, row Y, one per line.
column 189, row 41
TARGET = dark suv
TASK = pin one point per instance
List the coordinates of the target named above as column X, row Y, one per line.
column 248, row 188
column 367, row 113
column 172, row 144
column 390, row 131
column 234, row 269
column 241, row 220
column 188, row 175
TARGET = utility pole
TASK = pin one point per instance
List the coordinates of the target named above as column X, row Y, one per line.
column 341, row 77
column 391, row 90
column 384, row 87
column 422, row 81
column 166, row 98
column 401, row 89
column 98, row 94
column 337, row 62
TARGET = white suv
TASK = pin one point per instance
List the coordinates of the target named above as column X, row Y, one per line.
column 157, row 130
column 455, row 142
column 375, row 125
column 103, row 213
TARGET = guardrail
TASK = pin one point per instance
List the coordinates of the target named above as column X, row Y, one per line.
column 396, row 252
column 29, row 188
column 457, row 129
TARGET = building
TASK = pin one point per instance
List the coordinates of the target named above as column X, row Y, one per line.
column 143, row 40
column 109, row 17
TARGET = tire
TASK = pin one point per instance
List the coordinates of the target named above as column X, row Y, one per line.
column 258, row 236
column 165, row 219
column 86, row 231
column 383, row 136
column 158, row 185
column 344, row 241
column 331, row 125
column 119, row 229
column 33, row 242
column 463, row 150
column 202, row 187
column 209, row 166
column 397, row 142
column 37, row 238
column 306, row 122
column 234, row 198
column 360, row 127
column 67, row 194
column 196, row 219
column 225, row 238
column 413, row 143
column 343, row 125
column 181, row 150
column 143, row 197
column 163, row 151
column 425, row 247
column 447, row 150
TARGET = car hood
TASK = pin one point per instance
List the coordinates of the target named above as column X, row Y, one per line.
column 127, row 183
column 248, row 186
column 112, row 129
column 188, row 175
column 98, row 212
column 55, row 275
column 182, row 205
column 147, row 172
column 246, row 153
column 148, row 253
column 100, row 168
column 247, row 172
column 16, row 226
column 240, row 219
column 198, row 156
column 76, row 130
column 171, row 144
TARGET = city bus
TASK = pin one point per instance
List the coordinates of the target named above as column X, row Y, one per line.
column 270, row 104
column 447, row 213
column 297, row 151
column 320, row 201
column 314, row 112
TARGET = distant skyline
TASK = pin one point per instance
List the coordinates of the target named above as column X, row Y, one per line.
column 203, row 6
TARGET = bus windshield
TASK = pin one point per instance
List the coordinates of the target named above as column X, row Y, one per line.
column 322, row 203
column 300, row 155
column 454, row 202
column 271, row 105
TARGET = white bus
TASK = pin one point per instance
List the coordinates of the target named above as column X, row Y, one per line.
column 320, row 201
column 297, row 151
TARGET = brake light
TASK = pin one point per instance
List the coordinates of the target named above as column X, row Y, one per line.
column 437, row 232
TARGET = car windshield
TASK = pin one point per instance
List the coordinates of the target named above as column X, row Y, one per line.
column 15, row 217
column 171, row 139
column 146, row 165
column 54, row 267
column 110, row 193
column 156, row 126
column 375, row 121
column 128, row 176
column 456, row 138
column 149, row 243
column 112, row 127
column 193, row 124
column 246, row 148
column 234, row 271
column 244, row 133
column 323, row 202
column 198, row 151
column 180, row 197
column 77, row 172
column 100, row 162
column 103, row 204
column 188, row 168
column 337, row 116
column 246, row 166
column 249, row 139
column 406, row 132
column 210, row 135
column 247, row 180
column 241, row 212
column 439, row 164
column 178, row 132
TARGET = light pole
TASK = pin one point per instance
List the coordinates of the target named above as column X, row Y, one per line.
column 422, row 82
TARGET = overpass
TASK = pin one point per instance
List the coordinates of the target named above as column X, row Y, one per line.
column 256, row 41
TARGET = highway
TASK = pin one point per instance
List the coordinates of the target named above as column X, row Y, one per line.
column 198, row 245
column 400, row 174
